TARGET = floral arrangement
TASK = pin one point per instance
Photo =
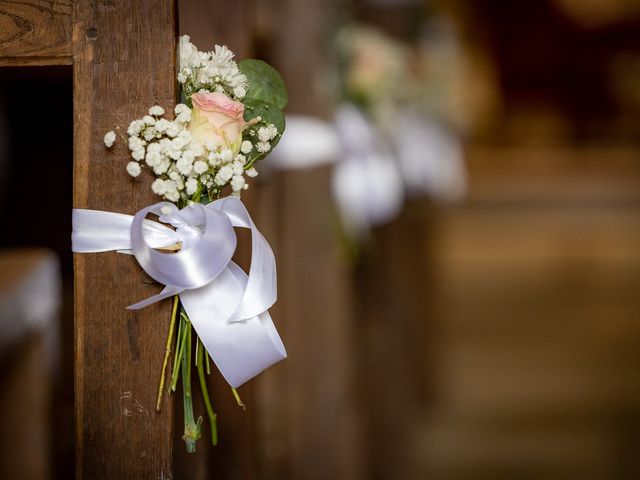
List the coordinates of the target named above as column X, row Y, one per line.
column 397, row 119
column 385, row 76
column 230, row 117
column 373, row 69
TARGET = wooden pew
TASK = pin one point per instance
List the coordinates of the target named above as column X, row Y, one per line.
column 30, row 300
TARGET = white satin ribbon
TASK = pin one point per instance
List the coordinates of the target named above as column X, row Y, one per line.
column 227, row 307
column 367, row 185
column 374, row 173
column 430, row 157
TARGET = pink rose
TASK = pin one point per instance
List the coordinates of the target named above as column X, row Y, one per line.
column 218, row 119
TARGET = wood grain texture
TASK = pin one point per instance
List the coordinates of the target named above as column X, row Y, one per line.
column 124, row 62
column 35, row 32
column 203, row 22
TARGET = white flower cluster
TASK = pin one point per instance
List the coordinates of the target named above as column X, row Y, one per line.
column 109, row 139
column 195, row 160
column 265, row 135
column 186, row 169
column 213, row 71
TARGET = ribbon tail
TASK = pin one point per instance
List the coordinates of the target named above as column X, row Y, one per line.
column 241, row 349
column 168, row 291
column 99, row 231
column 260, row 287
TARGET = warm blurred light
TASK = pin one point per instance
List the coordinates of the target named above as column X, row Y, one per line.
column 599, row 13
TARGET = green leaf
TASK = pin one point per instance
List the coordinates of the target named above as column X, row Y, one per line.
column 268, row 112
column 265, row 83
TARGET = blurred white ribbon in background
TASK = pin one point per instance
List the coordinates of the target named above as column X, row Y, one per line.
column 227, row 307
column 372, row 175
column 430, row 158
column 367, row 184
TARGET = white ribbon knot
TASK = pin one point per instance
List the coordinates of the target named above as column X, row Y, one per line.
column 227, row 307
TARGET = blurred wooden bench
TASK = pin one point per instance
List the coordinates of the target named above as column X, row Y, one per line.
column 29, row 305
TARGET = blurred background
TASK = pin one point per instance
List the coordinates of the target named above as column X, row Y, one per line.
column 455, row 210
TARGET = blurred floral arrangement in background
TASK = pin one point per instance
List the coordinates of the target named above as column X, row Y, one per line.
column 405, row 100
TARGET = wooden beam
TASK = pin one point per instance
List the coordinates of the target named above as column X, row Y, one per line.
column 124, row 62
column 35, row 32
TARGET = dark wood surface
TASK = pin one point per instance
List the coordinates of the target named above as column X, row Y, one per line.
column 26, row 364
column 393, row 291
column 309, row 415
column 203, row 22
column 124, row 60
column 35, row 32
column 26, row 401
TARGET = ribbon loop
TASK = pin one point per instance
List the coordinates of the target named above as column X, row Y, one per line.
column 197, row 263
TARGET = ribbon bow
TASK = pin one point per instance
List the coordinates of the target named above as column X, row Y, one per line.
column 227, row 307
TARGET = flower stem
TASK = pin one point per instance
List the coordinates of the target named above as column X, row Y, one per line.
column 167, row 352
column 192, row 429
column 238, row 399
column 205, row 396
column 175, row 371
column 180, row 352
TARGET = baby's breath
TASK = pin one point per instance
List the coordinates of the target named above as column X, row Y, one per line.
column 186, row 169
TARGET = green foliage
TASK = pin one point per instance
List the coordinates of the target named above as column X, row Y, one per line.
column 265, row 83
column 268, row 112
column 265, row 98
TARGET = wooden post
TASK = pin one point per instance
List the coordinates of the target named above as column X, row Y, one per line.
column 309, row 422
column 123, row 63
column 393, row 289
column 123, row 57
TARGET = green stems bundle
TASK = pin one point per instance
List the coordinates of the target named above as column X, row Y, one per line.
column 182, row 364
column 183, row 356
